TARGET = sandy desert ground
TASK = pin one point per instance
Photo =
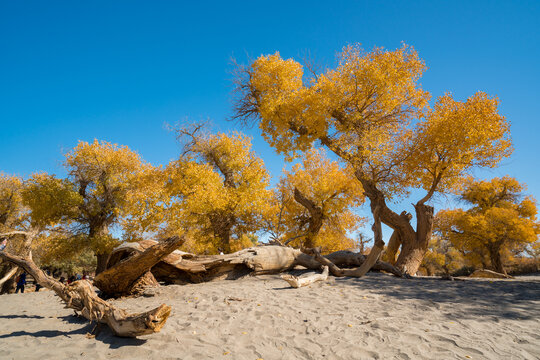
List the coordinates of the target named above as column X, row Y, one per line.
column 376, row 317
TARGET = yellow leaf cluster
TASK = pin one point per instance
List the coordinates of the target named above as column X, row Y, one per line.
column 498, row 220
column 356, row 108
column 371, row 111
column 454, row 137
column 11, row 206
column 218, row 191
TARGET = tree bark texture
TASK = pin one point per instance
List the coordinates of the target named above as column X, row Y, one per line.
column 495, row 258
column 102, row 260
column 130, row 276
column 80, row 296
column 8, row 271
column 315, row 220
column 414, row 249
column 413, row 243
column 181, row 268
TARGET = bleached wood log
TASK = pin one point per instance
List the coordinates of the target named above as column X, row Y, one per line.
column 180, row 267
column 305, row 280
column 80, row 296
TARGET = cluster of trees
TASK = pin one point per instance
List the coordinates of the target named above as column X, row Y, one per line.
column 369, row 112
column 499, row 223
column 217, row 192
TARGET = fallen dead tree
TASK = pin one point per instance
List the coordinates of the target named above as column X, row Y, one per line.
column 81, row 297
column 181, row 268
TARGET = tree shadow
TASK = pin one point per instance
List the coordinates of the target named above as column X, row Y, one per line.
column 104, row 334
column 472, row 298
column 43, row 333
column 21, row 317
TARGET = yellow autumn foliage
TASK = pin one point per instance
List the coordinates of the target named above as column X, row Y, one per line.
column 371, row 111
column 217, row 192
column 498, row 221
column 328, row 187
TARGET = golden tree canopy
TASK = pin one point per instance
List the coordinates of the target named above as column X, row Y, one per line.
column 499, row 218
column 218, row 190
column 11, row 207
column 372, row 112
column 331, row 193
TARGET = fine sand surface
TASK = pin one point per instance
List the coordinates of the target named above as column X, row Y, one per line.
column 376, row 317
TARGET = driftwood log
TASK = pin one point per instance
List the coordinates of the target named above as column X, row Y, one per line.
column 305, row 280
column 81, row 297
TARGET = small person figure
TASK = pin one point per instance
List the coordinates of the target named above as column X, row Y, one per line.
column 21, row 281
column 3, row 245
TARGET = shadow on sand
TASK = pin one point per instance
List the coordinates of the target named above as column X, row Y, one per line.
column 511, row 299
column 104, row 334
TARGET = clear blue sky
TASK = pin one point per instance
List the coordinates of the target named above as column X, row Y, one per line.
column 118, row 71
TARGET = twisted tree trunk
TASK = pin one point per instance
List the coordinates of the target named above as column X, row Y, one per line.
column 80, row 297
column 413, row 243
column 181, row 268
column 24, row 249
column 414, row 248
column 316, row 217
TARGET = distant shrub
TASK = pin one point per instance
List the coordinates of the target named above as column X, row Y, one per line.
column 522, row 265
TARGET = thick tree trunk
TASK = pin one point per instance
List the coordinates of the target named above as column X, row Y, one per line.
column 399, row 223
column 315, row 220
column 390, row 253
column 80, row 297
column 414, row 248
column 8, row 275
column 222, row 225
column 496, row 260
column 98, row 229
column 9, row 284
column 395, row 241
column 414, row 243
column 132, row 275
column 9, row 272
